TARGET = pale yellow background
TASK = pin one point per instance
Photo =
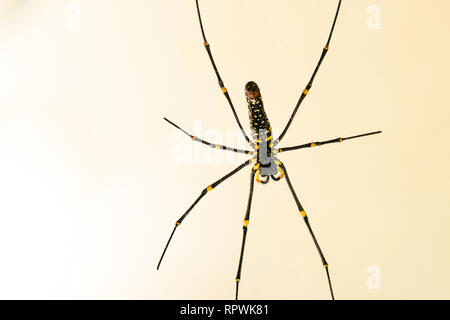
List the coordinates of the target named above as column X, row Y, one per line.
column 89, row 191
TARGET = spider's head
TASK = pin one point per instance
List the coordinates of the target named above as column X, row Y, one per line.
column 252, row 91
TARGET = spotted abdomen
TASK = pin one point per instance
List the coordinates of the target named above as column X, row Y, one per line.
column 259, row 122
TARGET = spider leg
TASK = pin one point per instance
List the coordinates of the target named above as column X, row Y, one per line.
column 321, row 143
column 305, row 218
column 212, row 145
column 245, row 226
column 310, row 83
column 203, row 193
column 221, row 84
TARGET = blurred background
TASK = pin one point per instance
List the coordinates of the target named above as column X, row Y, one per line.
column 92, row 179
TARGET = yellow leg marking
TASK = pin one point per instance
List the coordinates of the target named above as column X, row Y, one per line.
column 303, row 213
column 313, row 145
column 224, row 90
column 246, row 223
column 281, row 173
column 193, row 137
column 209, row 188
column 325, row 265
column 206, row 44
column 269, row 138
column 340, row 139
column 257, row 176
column 256, row 166
column 237, row 280
column 305, row 91
column 326, row 48
column 280, row 150
column 177, row 223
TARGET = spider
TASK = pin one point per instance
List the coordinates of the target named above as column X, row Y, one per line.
column 266, row 164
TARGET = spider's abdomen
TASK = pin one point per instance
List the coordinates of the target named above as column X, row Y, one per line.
column 259, row 122
column 261, row 129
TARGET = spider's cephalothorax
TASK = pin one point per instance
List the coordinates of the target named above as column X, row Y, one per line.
column 261, row 134
column 264, row 153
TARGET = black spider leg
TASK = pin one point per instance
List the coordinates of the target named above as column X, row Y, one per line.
column 245, row 226
column 305, row 218
column 321, row 143
column 221, row 84
column 212, row 145
column 203, row 193
column 310, row 83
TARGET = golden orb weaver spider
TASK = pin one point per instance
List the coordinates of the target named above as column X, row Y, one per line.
column 266, row 163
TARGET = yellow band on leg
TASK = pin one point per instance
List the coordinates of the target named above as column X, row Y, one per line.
column 281, row 173
column 257, row 176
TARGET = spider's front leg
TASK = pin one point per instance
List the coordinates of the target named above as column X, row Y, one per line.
column 203, row 193
column 245, row 227
column 305, row 218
